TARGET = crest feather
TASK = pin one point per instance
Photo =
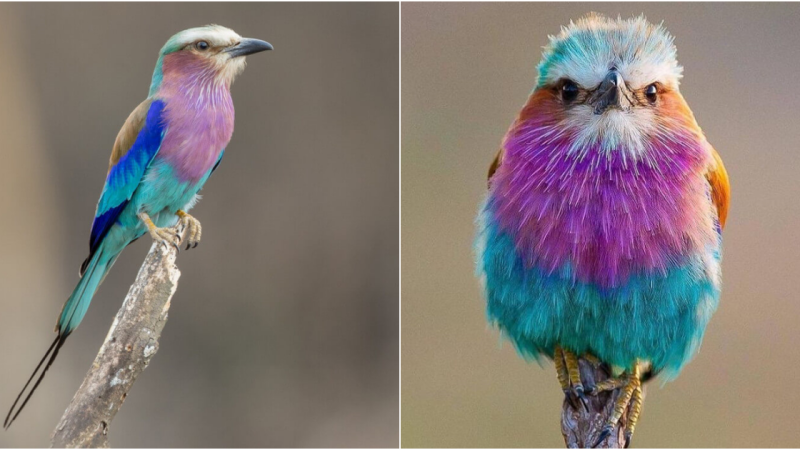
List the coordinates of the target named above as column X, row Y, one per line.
column 586, row 49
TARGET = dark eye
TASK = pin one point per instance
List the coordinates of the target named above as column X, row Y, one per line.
column 569, row 91
column 651, row 92
column 201, row 45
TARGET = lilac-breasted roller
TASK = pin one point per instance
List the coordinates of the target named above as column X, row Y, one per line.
column 601, row 234
column 163, row 155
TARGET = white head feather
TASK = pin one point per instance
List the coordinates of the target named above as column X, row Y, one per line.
column 585, row 51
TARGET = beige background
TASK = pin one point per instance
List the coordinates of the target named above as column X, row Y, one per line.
column 467, row 69
column 283, row 331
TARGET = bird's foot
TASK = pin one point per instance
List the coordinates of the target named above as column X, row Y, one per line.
column 192, row 230
column 569, row 376
column 166, row 236
column 608, row 384
column 630, row 399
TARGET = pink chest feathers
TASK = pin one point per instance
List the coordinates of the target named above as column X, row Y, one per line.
column 199, row 127
column 600, row 216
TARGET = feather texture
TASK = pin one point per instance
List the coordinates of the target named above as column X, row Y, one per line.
column 130, row 159
column 162, row 157
column 601, row 232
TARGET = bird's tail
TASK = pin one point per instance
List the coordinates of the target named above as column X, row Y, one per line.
column 78, row 303
column 71, row 315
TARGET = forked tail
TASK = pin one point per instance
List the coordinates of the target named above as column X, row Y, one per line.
column 71, row 315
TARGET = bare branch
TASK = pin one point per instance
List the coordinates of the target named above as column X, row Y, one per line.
column 130, row 344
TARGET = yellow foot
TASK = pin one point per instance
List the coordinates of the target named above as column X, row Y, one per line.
column 569, row 376
column 192, row 231
column 630, row 398
column 167, row 236
column 634, row 410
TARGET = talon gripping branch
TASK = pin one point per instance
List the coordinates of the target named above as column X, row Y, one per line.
column 163, row 155
column 601, row 231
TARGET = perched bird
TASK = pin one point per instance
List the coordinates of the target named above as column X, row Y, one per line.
column 163, row 155
column 600, row 236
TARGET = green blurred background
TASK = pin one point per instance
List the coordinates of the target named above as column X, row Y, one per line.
column 467, row 70
column 283, row 331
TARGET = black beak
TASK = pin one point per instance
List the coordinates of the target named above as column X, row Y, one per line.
column 610, row 94
column 248, row 47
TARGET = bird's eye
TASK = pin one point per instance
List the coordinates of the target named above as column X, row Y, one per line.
column 569, row 91
column 201, row 45
column 651, row 92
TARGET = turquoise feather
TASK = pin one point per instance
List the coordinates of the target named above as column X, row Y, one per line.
column 655, row 317
column 164, row 154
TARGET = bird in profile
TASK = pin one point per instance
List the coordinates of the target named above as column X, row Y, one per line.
column 163, row 155
column 601, row 234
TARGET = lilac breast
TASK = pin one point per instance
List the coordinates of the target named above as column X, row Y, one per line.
column 199, row 126
column 599, row 216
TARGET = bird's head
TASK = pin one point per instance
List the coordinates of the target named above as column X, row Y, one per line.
column 210, row 53
column 611, row 83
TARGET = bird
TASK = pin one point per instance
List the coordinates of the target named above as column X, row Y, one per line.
column 163, row 155
column 600, row 234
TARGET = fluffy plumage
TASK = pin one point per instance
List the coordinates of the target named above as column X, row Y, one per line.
column 586, row 49
column 601, row 231
column 162, row 157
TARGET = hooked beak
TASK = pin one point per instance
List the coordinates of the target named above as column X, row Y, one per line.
column 247, row 47
column 610, row 94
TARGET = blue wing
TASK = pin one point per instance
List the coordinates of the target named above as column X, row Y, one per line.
column 127, row 168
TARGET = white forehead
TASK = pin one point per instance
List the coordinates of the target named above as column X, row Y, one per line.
column 215, row 35
column 585, row 50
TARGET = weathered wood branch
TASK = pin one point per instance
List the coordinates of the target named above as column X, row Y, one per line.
column 581, row 426
column 130, row 344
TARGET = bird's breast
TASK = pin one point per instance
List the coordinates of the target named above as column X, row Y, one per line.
column 600, row 219
column 197, row 131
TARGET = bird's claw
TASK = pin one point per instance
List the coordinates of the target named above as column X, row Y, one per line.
column 570, row 378
column 577, row 386
column 191, row 229
column 577, row 399
column 578, row 391
column 166, row 236
column 604, row 433
column 628, row 403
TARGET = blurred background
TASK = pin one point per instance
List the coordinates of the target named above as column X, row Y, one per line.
column 467, row 70
column 284, row 328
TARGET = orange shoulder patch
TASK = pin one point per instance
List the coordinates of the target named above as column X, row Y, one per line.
column 720, row 187
column 495, row 164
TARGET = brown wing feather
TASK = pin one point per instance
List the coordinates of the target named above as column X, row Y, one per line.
column 129, row 131
column 720, row 187
column 495, row 164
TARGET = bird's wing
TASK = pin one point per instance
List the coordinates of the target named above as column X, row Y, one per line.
column 137, row 143
column 717, row 177
column 495, row 164
column 219, row 160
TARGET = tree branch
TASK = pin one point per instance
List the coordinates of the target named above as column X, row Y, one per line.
column 130, row 344
column 580, row 425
